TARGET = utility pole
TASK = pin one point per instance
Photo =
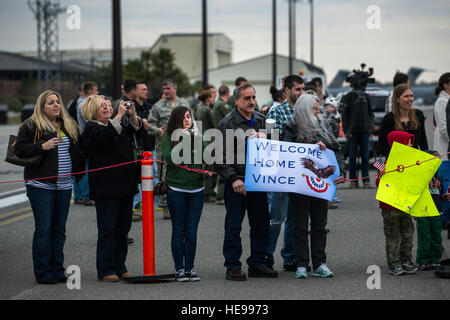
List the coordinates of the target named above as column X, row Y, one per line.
column 46, row 14
column 204, row 43
column 312, row 31
column 117, row 50
column 274, row 42
column 292, row 36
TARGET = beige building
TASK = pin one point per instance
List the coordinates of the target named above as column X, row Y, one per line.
column 188, row 50
column 258, row 71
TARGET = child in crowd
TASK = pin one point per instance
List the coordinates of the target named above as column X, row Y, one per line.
column 398, row 225
column 332, row 117
column 429, row 239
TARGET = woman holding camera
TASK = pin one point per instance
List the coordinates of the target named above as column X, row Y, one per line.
column 51, row 131
column 108, row 142
column 186, row 194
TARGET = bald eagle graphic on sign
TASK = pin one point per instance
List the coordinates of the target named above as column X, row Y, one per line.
column 317, row 184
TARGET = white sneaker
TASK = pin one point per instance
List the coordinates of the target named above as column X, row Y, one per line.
column 181, row 276
column 193, row 275
column 323, row 272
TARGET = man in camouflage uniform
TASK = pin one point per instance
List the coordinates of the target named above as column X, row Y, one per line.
column 158, row 119
column 221, row 108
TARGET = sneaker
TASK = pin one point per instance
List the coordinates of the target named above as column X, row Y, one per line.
column 166, row 213
column 397, row 271
column 336, row 200
column 436, row 266
column 181, row 276
column 138, row 207
column 409, row 267
column 353, row 185
column 332, row 206
column 367, row 185
column 424, row 267
column 135, row 217
column 193, row 275
column 323, row 272
column 301, row 273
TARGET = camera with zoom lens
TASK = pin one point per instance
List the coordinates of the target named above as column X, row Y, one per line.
column 128, row 104
column 359, row 79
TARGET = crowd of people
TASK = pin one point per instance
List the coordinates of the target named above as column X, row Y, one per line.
column 96, row 132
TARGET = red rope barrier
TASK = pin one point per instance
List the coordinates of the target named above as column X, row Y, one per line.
column 400, row 168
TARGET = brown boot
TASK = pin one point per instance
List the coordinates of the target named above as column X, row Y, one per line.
column 110, row 278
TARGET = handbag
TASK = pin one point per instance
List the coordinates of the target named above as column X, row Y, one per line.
column 12, row 158
column 161, row 188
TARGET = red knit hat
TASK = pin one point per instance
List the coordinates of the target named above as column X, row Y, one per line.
column 400, row 137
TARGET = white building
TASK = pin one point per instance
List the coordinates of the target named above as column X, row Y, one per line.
column 188, row 50
column 258, row 72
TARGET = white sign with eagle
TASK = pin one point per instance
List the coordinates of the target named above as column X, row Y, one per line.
column 279, row 166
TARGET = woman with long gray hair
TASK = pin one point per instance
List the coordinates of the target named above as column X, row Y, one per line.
column 307, row 127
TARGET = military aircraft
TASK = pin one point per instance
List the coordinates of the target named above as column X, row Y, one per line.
column 423, row 93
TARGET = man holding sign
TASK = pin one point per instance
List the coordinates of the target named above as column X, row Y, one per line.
column 243, row 121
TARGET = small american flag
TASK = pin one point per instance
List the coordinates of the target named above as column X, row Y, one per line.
column 380, row 164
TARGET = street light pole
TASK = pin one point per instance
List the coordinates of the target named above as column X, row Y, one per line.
column 312, row 30
column 274, row 42
column 292, row 37
column 117, row 50
column 204, row 43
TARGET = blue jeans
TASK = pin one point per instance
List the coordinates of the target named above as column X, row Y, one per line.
column 81, row 189
column 361, row 140
column 255, row 203
column 280, row 212
column 113, row 223
column 50, row 211
column 185, row 212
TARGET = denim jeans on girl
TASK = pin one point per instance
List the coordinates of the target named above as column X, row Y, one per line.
column 185, row 212
column 50, row 211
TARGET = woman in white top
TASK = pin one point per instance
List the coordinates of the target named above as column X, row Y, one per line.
column 440, row 132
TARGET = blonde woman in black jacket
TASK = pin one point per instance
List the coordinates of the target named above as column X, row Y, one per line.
column 52, row 132
column 108, row 142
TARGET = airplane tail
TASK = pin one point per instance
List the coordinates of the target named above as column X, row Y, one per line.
column 413, row 74
column 339, row 79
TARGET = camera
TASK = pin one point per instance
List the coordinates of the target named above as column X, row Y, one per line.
column 359, row 79
column 191, row 131
column 128, row 105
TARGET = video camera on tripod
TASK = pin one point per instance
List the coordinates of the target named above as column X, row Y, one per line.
column 359, row 79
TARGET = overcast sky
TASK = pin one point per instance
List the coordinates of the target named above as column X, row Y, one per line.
column 412, row 33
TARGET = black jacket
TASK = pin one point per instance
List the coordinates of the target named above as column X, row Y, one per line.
column 388, row 125
column 105, row 147
column 356, row 117
column 289, row 134
column 234, row 121
column 25, row 147
column 145, row 140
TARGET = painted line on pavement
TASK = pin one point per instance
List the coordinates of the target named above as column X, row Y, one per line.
column 10, row 201
column 18, row 218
